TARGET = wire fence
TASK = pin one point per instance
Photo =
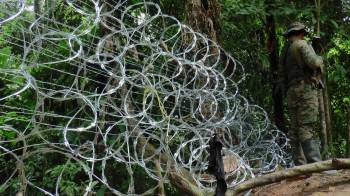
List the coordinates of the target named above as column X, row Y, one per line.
column 125, row 86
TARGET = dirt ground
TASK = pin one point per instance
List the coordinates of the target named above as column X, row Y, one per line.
column 321, row 184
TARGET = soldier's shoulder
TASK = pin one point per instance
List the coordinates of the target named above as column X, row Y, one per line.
column 300, row 43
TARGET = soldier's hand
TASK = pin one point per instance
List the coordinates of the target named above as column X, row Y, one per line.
column 316, row 43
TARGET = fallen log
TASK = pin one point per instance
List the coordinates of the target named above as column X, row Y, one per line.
column 334, row 164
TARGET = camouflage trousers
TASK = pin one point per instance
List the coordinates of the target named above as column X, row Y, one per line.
column 303, row 109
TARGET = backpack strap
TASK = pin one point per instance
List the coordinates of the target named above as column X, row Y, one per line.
column 284, row 61
column 289, row 44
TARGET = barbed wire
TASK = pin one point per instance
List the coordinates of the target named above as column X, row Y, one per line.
column 127, row 87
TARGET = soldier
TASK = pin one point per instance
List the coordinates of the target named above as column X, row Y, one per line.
column 299, row 64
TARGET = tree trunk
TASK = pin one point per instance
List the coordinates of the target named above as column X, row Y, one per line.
column 203, row 16
column 52, row 8
column 325, row 119
column 327, row 110
column 38, row 8
column 272, row 46
column 322, row 116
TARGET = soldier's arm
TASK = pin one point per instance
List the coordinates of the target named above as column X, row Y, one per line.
column 310, row 58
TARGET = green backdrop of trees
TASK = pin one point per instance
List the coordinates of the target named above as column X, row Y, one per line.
column 252, row 32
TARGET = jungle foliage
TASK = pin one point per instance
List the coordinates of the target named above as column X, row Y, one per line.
column 242, row 33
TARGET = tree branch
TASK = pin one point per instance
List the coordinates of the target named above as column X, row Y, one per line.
column 180, row 177
column 292, row 172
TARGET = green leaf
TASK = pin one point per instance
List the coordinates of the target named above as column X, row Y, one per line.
column 334, row 23
column 101, row 191
column 5, row 54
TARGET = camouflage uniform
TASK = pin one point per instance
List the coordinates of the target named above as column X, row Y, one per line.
column 299, row 62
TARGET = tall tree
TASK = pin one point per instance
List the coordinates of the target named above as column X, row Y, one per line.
column 203, row 16
column 323, row 96
column 272, row 47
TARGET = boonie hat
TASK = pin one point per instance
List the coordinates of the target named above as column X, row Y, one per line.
column 295, row 26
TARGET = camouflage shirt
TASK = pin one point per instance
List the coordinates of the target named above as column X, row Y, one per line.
column 299, row 61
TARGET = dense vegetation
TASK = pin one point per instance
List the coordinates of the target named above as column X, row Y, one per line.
column 243, row 31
